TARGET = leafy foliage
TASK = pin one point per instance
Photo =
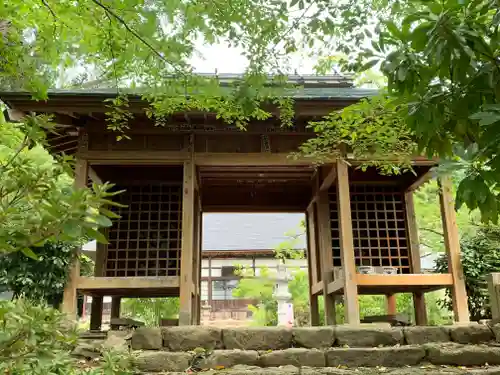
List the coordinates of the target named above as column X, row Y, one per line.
column 145, row 45
column 480, row 257
column 442, row 64
column 150, row 310
column 38, row 203
column 38, row 340
column 428, row 215
column 372, row 130
column 42, row 279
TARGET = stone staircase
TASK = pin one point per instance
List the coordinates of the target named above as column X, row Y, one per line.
column 339, row 350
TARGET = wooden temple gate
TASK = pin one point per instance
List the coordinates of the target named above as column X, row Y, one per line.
column 196, row 163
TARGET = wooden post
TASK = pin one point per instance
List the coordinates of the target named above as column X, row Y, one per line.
column 493, row 291
column 391, row 304
column 351, row 306
column 311, row 265
column 115, row 307
column 69, row 304
column 200, row 262
column 96, row 313
column 187, row 251
column 325, row 245
column 412, row 230
column 452, row 245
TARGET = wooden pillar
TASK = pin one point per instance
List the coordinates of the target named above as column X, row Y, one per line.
column 96, row 313
column 187, row 250
column 311, row 266
column 351, row 305
column 493, row 280
column 452, row 245
column 325, row 245
column 115, row 307
column 200, row 262
column 391, row 304
column 69, row 304
column 413, row 242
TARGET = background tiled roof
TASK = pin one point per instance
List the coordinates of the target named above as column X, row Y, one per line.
column 230, row 231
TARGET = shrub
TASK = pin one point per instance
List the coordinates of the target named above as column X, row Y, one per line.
column 38, row 340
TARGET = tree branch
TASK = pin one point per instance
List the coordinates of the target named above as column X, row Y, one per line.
column 433, row 231
column 110, row 12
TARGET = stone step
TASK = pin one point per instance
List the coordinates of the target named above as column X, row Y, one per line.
column 291, row 370
column 448, row 354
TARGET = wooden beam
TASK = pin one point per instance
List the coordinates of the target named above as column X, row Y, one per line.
column 251, row 209
column 134, row 157
column 128, row 283
column 312, row 268
column 317, row 288
column 69, row 304
column 335, row 286
column 452, row 245
column 329, row 179
column 248, row 159
column 115, row 307
column 493, row 280
column 96, row 313
column 414, row 247
column 427, row 279
column 94, row 177
column 325, row 246
column 351, row 314
column 422, row 179
column 391, row 304
column 187, row 244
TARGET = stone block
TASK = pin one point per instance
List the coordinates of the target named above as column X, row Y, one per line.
column 116, row 342
column 178, row 339
column 145, row 338
column 424, row 335
column 160, row 361
column 462, row 355
column 368, row 337
column 471, row 334
column 372, row 357
column 88, row 349
column 298, row 357
column 269, row 338
column 313, row 337
column 230, row 358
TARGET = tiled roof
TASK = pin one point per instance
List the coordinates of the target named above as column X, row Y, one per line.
column 230, row 231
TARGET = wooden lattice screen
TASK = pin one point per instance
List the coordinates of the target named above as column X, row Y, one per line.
column 146, row 240
column 379, row 228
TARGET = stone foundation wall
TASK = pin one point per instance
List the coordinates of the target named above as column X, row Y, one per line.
column 178, row 348
column 188, row 338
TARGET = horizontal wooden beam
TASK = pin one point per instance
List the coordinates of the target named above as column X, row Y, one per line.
column 251, row 209
column 436, row 279
column 134, row 157
column 138, row 282
column 248, row 159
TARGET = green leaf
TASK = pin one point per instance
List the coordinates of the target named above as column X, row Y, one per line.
column 485, row 118
column 29, row 253
column 96, row 235
column 102, row 221
column 370, row 64
column 393, row 29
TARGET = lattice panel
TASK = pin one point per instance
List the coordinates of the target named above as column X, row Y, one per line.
column 146, row 240
column 379, row 228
